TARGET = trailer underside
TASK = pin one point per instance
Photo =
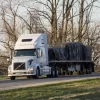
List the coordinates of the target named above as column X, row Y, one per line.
column 68, row 67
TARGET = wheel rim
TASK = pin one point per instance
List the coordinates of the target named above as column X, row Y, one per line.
column 37, row 73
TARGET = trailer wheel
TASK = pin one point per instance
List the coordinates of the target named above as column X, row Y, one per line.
column 48, row 76
column 85, row 71
column 67, row 73
column 12, row 77
column 82, row 72
column 90, row 70
column 70, row 73
column 56, row 72
column 59, row 70
column 78, row 72
column 53, row 73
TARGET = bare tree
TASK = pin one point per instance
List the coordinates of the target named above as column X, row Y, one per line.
column 84, row 10
column 9, row 26
column 51, row 6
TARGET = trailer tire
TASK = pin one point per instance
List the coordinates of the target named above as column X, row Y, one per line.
column 70, row 73
column 84, row 71
column 59, row 71
column 67, row 73
column 53, row 73
column 63, row 73
column 78, row 72
column 90, row 70
column 12, row 77
column 56, row 73
column 48, row 76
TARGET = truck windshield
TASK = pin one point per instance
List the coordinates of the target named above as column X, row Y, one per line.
column 27, row 52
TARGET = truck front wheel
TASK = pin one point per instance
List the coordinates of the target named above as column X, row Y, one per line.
column 37, row 73
column 12, row 77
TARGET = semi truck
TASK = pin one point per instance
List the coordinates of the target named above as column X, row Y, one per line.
column 33, row 58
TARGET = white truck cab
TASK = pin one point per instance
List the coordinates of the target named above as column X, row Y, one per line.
column 30, row 57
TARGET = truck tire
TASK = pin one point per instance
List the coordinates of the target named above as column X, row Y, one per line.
column 52, row 73
column 12, row 77
column 37, row 73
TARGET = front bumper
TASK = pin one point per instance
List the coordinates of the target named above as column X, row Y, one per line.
column 20, row 73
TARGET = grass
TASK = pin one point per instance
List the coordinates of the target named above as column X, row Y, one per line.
column 78, row 90
column 3, row 77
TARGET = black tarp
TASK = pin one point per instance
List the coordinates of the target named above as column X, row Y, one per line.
column 56, row 54
column 71, row 51
column 87, row 53
column 74, row 51
column 51, row 54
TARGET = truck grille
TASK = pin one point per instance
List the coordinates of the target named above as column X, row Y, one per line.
column 19, row 66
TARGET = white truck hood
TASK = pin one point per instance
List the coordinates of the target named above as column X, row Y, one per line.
column 22, row 59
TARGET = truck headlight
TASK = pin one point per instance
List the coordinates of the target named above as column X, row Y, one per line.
column 30, row 69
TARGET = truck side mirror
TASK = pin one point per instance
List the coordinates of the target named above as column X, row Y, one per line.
column 39, row 53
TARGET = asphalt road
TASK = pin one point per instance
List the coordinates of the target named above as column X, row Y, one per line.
column 22, row 83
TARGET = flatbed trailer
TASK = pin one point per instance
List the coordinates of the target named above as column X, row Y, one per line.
column 70, row 66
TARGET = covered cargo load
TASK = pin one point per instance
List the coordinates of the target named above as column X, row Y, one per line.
column 51, row 54
column 87, row 53
column 74, row 51
column 56, row 54
column 71, row 51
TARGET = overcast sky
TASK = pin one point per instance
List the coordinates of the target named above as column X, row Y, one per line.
column 96, row 12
